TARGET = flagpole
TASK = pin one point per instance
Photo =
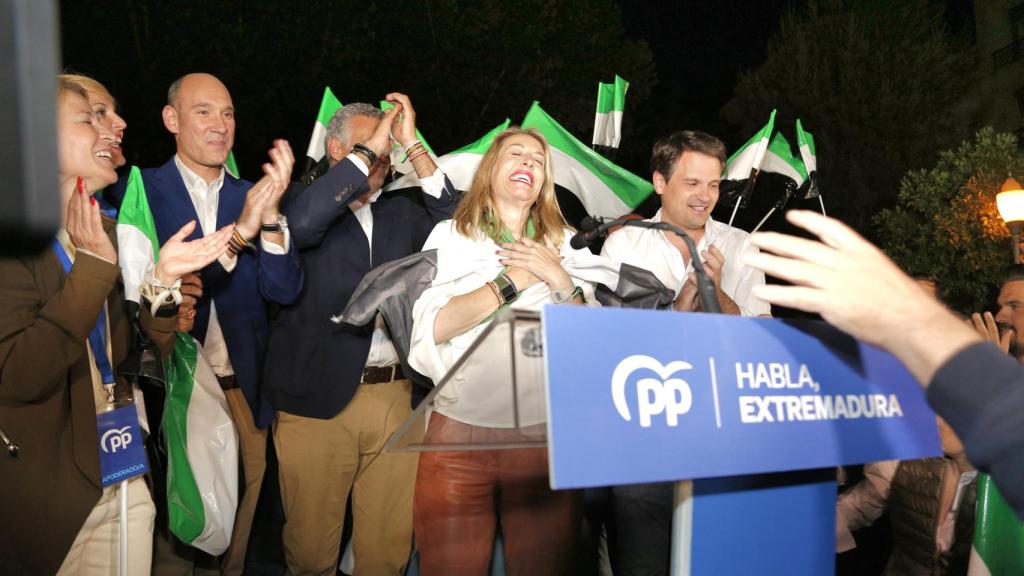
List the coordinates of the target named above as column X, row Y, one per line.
column 822, row 202
column 791, row 188
column 735, row 209
column 682, row 529
column 761, row 223
column 123, row 489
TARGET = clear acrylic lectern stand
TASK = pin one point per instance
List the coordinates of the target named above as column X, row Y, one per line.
column 502, row 369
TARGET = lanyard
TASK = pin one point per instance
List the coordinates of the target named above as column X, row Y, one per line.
column 98, row 336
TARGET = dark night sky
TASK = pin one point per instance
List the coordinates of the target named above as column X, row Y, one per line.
column 699, row 46
column 698, row 49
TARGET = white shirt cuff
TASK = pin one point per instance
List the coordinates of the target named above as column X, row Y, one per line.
column 433, row 184
column 272, row 248
column 360, row 163
column 228, row 261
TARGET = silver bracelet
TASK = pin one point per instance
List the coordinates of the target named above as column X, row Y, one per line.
column 563, row 295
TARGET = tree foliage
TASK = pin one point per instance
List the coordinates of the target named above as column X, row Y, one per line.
column 876, row 81
column 466, row 65
column 945, row 224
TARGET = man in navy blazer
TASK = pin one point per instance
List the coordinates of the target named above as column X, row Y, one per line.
column 340, row 390
column 231, row 314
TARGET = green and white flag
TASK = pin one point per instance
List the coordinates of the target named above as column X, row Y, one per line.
column 398, row 160
column 746, row 161
column 328, row 106
column 459, row 166
column 742, row 167
column 779, row 159
column 603, row 188
column 230, row 166
column 998, row 548
column 805, row 142
column 202, row 444
column 611, row 102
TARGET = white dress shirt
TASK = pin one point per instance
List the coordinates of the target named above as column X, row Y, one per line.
column 206, row 200
column 480, row 392
column 382, row 349
column 652, row 250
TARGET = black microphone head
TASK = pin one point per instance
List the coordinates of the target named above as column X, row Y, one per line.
column 589, row 223
column 579, row 241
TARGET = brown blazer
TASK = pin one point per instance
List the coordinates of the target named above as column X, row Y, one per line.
column 46, row 400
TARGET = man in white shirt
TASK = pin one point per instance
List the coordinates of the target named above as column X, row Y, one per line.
column 230, row 317
column 686, row 169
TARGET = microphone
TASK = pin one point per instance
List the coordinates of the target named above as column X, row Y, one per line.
column 590, row 230
column 593, row 228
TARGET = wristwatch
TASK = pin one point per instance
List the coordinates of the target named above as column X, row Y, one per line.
column 507, row 288
column 280, row 226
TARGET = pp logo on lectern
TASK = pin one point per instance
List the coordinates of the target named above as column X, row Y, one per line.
column 671, row 396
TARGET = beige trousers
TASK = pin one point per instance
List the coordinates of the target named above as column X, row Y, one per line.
column 96, row 549
column 322, row 460
column 252, row 445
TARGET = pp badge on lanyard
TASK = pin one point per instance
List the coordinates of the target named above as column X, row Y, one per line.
column 121, row 452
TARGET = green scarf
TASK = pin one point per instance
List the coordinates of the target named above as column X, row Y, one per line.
column 504, row 236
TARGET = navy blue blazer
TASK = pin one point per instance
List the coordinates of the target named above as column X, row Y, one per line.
column 313, row 365
column 242, row 294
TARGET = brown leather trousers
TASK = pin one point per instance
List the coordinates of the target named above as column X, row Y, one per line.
column 461, row 496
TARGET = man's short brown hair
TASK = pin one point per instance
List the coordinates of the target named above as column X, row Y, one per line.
column 668, row 149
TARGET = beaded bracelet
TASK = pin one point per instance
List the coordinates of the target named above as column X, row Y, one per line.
column 417, row 155
column 413, row 145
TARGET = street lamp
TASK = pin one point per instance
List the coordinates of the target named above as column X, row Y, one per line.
column 1010, row 202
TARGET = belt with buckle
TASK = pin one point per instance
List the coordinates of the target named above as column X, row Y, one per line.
column 382, row 374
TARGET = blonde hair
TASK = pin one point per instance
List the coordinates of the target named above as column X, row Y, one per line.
column 477, row 215
column 84, row 84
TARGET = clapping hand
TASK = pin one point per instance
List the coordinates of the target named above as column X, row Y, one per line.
column 262, row 201
column 687, row 301
column 178, row 257
column 191, row 292
column 85, row 225
column 380, row 141
column 404, row 127
column 279, row 170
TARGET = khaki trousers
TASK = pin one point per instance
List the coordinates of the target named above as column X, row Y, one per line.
column 322, row 460
column 252, row 445
column 96, row 549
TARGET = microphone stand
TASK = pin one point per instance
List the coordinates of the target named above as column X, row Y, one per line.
column 705, row 287
column 682, row 507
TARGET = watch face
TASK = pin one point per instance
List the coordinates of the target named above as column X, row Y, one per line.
column 508, row 291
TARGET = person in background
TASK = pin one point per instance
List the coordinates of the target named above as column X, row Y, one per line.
column 971, row 383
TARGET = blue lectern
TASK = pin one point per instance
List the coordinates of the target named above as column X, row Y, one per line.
column 757, row 413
